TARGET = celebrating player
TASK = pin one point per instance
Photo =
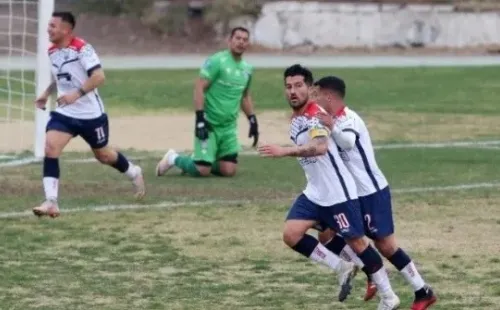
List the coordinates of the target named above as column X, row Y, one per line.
column 76, row 74
column 330, row 196
column 221, row 89
column 351, row 135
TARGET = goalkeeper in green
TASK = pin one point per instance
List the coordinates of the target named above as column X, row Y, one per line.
column 220, row 90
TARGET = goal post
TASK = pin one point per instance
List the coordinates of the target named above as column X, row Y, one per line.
column 42, row 73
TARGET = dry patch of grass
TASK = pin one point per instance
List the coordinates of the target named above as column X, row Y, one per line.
column 158, row 131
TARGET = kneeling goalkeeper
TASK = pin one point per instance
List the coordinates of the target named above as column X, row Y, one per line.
column 220, row 90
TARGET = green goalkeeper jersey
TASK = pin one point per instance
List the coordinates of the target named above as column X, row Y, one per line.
column 228, row 81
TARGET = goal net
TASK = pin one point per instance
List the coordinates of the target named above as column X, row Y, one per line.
column 24, row 73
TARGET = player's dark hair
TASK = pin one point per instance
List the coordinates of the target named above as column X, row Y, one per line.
column 299, row 70
column 332, row 83
column 67, row 17
column 239, row 28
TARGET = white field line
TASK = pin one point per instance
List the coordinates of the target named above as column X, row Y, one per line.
column 489, row 145
column 171, row 204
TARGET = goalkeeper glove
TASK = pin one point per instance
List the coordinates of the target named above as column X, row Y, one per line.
column 201, row 130
column 254, row 129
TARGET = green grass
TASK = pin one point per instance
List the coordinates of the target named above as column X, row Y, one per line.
column 257, row 179
column 230, row 255
column 430, row 90
column 227, row 256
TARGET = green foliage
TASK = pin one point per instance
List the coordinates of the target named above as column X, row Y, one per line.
column 224, row 11
column 114, row 7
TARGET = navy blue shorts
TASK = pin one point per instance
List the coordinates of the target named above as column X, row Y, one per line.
column 377, row 214
column 345, row 218
column 94, row 131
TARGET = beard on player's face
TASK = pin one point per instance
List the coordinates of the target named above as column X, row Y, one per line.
column 296, row 102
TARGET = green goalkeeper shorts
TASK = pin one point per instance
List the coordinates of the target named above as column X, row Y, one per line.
column 221, row 142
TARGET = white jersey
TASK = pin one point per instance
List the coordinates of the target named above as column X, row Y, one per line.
column 360, row 160
column 328, row 180
column 71, row 67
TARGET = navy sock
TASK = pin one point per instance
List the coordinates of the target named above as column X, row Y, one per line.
column 336, row 245
column 51, row 167
column 368, row 275
column 371, row 259
column 306, row 245
column 400, row 259
column 121, row 163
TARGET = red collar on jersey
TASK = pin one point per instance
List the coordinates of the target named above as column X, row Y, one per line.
column 76, row 44
column 340, row 112
column 310, row 109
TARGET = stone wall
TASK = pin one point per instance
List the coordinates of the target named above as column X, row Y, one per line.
column 286, row 24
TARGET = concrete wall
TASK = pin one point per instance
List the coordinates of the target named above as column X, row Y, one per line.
column 287, row 24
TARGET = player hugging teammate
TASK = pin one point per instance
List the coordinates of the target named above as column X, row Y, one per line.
column 346, row 197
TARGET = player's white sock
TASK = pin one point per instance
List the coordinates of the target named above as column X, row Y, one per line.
column 381, row 280
column 349, row 255
column 412, row 276
column 51, row 188
column 132, row 171
column 171, row 158
column 323, row 256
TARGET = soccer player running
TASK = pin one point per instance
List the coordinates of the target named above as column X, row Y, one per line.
column 330, row 196
column 76, row 74
column 351, row 135
column 220, row 90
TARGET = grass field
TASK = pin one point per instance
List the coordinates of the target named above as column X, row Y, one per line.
column 216, row 243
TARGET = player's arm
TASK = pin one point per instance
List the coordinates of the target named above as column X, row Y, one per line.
column 91, row 63
column 95, row 80
column 316, row 147
column 246, row 102
column 344, row 138
column 247, row 107
column 208, row 72
column 50, row 89
column 344, row 131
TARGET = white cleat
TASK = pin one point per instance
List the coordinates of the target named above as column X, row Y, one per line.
column 346, row 274
column 138, row 181
column 47, row 208
column 166, row 163
column 389, row 303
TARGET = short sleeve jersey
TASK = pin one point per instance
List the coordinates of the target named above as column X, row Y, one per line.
column 360, row 160
column 71, row 67
column 228, row 81
column 328, row 180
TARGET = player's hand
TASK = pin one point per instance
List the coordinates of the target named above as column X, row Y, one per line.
column 271, row 150
column 325, row 119
column 40, row 102
column 201, row 130
column 254, row 129
column 68, row 98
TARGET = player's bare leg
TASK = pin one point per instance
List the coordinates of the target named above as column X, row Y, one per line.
column 117, row 160
column 296, row 237
column 337, row 245
column 54, row 144
column 424, row 296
